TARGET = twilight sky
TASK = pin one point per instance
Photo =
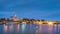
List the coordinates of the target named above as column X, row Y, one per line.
column 37, row 9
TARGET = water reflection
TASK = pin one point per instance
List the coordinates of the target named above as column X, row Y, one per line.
column 40, row 28
column 50, row 28
column 47, row 29
column 18, row 28
column 23, row 27
column 59, row 28
column 37, row 29
column 54, row 28
column 5, row 28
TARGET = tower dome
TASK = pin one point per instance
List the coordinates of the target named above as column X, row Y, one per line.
column 15, row 17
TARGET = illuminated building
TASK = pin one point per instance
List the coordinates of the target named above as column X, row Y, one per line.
column 15, row 18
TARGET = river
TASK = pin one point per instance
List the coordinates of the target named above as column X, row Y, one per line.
column 29, row 29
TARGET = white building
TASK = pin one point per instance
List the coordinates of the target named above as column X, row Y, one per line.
column 15, row 18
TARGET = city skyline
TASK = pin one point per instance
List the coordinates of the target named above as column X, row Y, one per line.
column 36, row 9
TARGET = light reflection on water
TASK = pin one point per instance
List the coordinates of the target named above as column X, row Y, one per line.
column 18, row 28
column 59, row 28
column 5, row 28
column 31, row 28
column 23, row 26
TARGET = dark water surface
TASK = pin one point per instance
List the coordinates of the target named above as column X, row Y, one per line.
column 29, row 29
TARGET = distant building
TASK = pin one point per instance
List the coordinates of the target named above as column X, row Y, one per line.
column 15, row 18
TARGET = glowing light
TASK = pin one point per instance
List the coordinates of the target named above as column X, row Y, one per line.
column 18, row 27
column 5, row 28
column 23, row 22
column 50, row 23
column 15, row 17
column 23, row 27
column 40, row 22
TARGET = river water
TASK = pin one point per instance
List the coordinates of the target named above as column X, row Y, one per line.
column 29, row 29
